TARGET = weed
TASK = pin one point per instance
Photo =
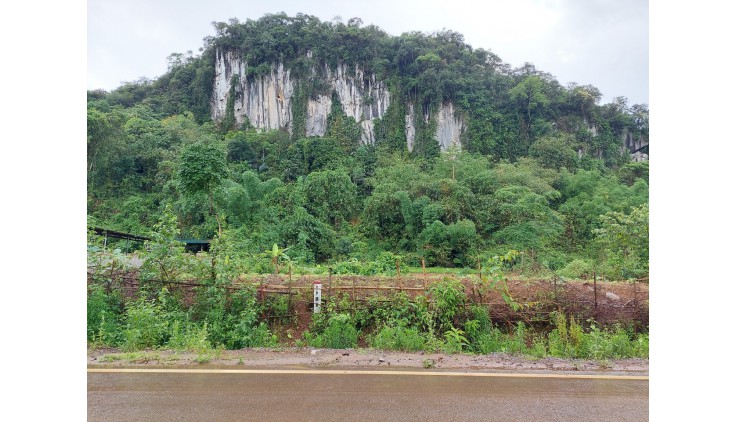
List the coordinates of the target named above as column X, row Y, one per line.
column 204, row 358
column 191, row 338
column 429, row 363
column 449, row 296
column 145, row 326
column 111, row 358
column 339, row 334
column 605, row 364
column 398, row 338
column 539, row 348
column 455, row 340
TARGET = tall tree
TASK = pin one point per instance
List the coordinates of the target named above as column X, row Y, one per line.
column 202, row 168
column 530, row 95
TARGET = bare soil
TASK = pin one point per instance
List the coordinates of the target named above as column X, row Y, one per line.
column 310, row 358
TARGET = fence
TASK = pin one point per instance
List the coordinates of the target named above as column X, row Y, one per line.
column 605, row 303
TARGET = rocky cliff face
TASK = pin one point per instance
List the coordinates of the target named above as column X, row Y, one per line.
column 410, row 127
column 448, row 126
column 267, row 101
column 317, row 115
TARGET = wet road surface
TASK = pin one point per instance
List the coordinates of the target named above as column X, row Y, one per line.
column 337, row 396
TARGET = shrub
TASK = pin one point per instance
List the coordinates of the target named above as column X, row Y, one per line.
column 497, row 341
column 478, row 325
column 576, row 269
column 340, row 333
column 189, row 337
column 456, row 341
column 407, row 339
column 386, row 264
column 146, row 326
column 103, row 326
column 448, row 295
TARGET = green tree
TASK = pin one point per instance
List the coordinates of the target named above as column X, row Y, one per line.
column 554, row 152
column 624, row 240
column 202, row 168
column 331, row 196
column 530, row 95
column 164, row 257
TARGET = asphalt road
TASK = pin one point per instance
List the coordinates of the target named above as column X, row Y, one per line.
column 360, row 396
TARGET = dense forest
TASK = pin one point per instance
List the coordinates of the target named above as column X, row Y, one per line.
column 541, row 168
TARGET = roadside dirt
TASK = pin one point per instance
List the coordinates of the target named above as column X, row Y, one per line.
column 304, row 358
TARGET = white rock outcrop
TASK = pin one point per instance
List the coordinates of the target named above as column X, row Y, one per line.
column 410, row 127
column 267, row 101
column 316, row 117
column 362, row 97
column 226, row 65
column 448, row 127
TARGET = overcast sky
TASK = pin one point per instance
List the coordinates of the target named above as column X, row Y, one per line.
column 599, row 42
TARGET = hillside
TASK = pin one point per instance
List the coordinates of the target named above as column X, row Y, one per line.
column 350, row 146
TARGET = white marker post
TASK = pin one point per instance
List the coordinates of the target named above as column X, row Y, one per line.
column 317, row 296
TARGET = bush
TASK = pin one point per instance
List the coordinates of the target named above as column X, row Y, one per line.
column 496, row 341
column 339, row 334
column 146, row 326
column 478, row 325
column 103, row 326
column 247, row 335
column 456, row 341
column 352, row 266
column 407, row 339
column 576, row 269
column 449, row 295
column 596, row 343
column 189, row 337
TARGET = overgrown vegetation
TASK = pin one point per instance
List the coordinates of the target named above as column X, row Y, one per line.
column 221, row 314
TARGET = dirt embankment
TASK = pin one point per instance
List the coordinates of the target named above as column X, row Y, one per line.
column 309, row 358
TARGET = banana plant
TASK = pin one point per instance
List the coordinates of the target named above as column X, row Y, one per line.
column 275, row 254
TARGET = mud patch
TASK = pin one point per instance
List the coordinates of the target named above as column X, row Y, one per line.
column 292, row 358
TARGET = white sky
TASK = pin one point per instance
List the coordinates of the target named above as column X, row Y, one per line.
column 598, row 42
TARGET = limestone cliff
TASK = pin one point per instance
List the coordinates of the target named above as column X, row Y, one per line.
column 449, row 127
column 267, row 101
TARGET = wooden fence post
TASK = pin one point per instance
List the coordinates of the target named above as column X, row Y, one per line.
column 479, row 267
column 425, row 276
column 289, row 291
column 353, row 292
column 397, row 266
column 330, row 279
column 594, row 276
